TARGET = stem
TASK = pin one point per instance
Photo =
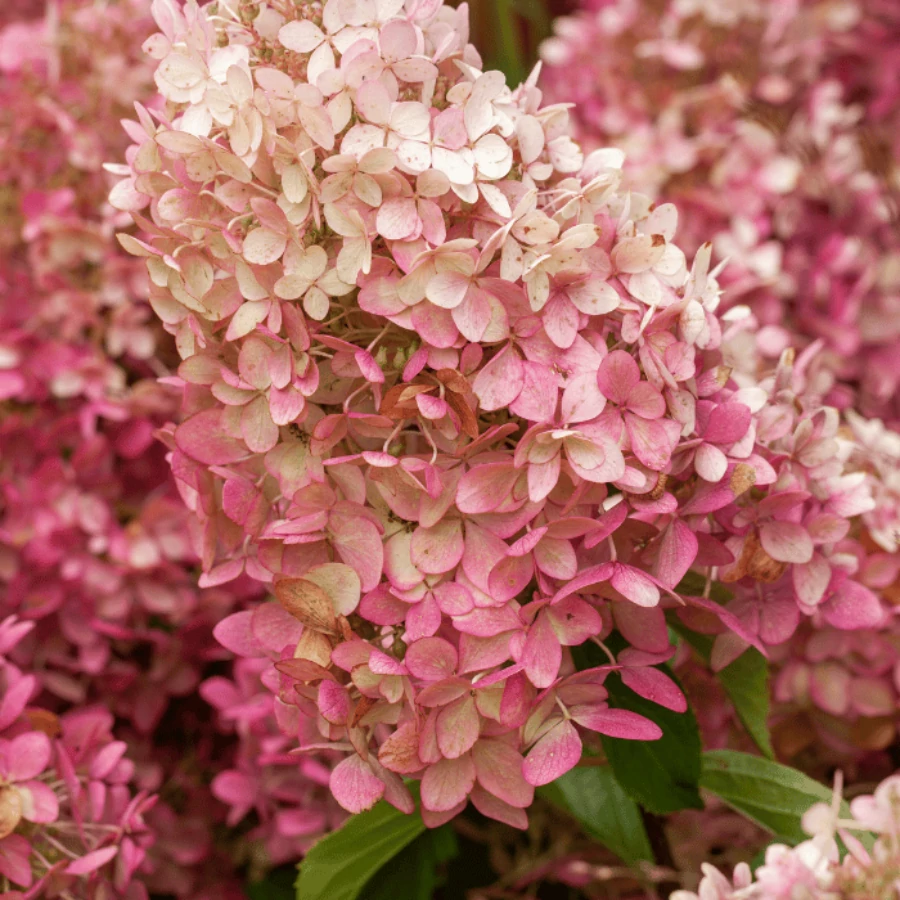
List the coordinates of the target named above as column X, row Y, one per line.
column 662, row 852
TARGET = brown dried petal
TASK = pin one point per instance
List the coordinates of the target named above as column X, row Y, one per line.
column 308, row 603
column 742, row 478
column 10, row 811
column 314, row 647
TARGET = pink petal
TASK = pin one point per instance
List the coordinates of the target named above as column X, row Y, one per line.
column 618, row 723
column 652, row 684
column 555, row 557
column 39, row 803
column 449, row 289
column 853, row 607
column 15, row 698
column 644, row 628
column 92, row 861
column 274, row 628
column 594, row 297
column 15, row 860
column 542, row 478
column 203, row 439
column 634, row 585
column 333, row 702
column 235, row 633
column 560, row 319
column 509, row 577
column 423, row 619
column 438, row 549
column 617, row 376
column 498, row 767
column 786, row 542
column 500, row 381
column 581, row 401
column 677, row 552
column 650, row 440
column 454, row 599
column 473, row 315
column 537, row 399
column 355, row 786
column 574, row 621
column 431, row 659
column 235, row 789
column 457, row 727
column 397, row 219
column 553, row 755
column 811, row 580
column 542, row 654
column 646, row 401
column 358, row 543
column 435, row 325
column 447, row 783
column 710, row 463
column 494, row 808
column 27, row 756
column 588, row 578
column 483, row 488
column 727, row 423
column 400, row 752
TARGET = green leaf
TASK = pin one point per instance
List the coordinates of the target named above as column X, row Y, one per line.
column 661, row 775
column 772, row 795
column 509, row 41
column 606, row 812
column 277, row 885
column 340, row 865
column 746, row 681
column 413, row 874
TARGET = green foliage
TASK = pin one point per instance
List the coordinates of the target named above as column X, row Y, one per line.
column 340, row 865
column 772, row 795
column 603, row 808
column 661, row 775
column 277, row 885
column 746, row 681
column 414, row 874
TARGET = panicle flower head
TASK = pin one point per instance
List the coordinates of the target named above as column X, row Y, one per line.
column 773, row 126
column 459, row 400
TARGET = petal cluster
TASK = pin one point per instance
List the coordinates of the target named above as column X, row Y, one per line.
column 774, row 129
column 458, row 399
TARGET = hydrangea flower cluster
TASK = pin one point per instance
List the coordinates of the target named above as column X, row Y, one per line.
column 813, row 869
column 105, row 639
column 459, row 400
column 71, row 821
column 773, row 126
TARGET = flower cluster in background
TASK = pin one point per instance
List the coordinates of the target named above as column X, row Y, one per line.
column 107, row 743
column 773, row 126
column 814, row 869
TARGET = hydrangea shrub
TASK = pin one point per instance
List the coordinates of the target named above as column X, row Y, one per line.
column 461, row 402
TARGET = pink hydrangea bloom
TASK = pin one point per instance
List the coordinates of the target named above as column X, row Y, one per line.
column 459, row 401
column 773, row 127
column 814, row 869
